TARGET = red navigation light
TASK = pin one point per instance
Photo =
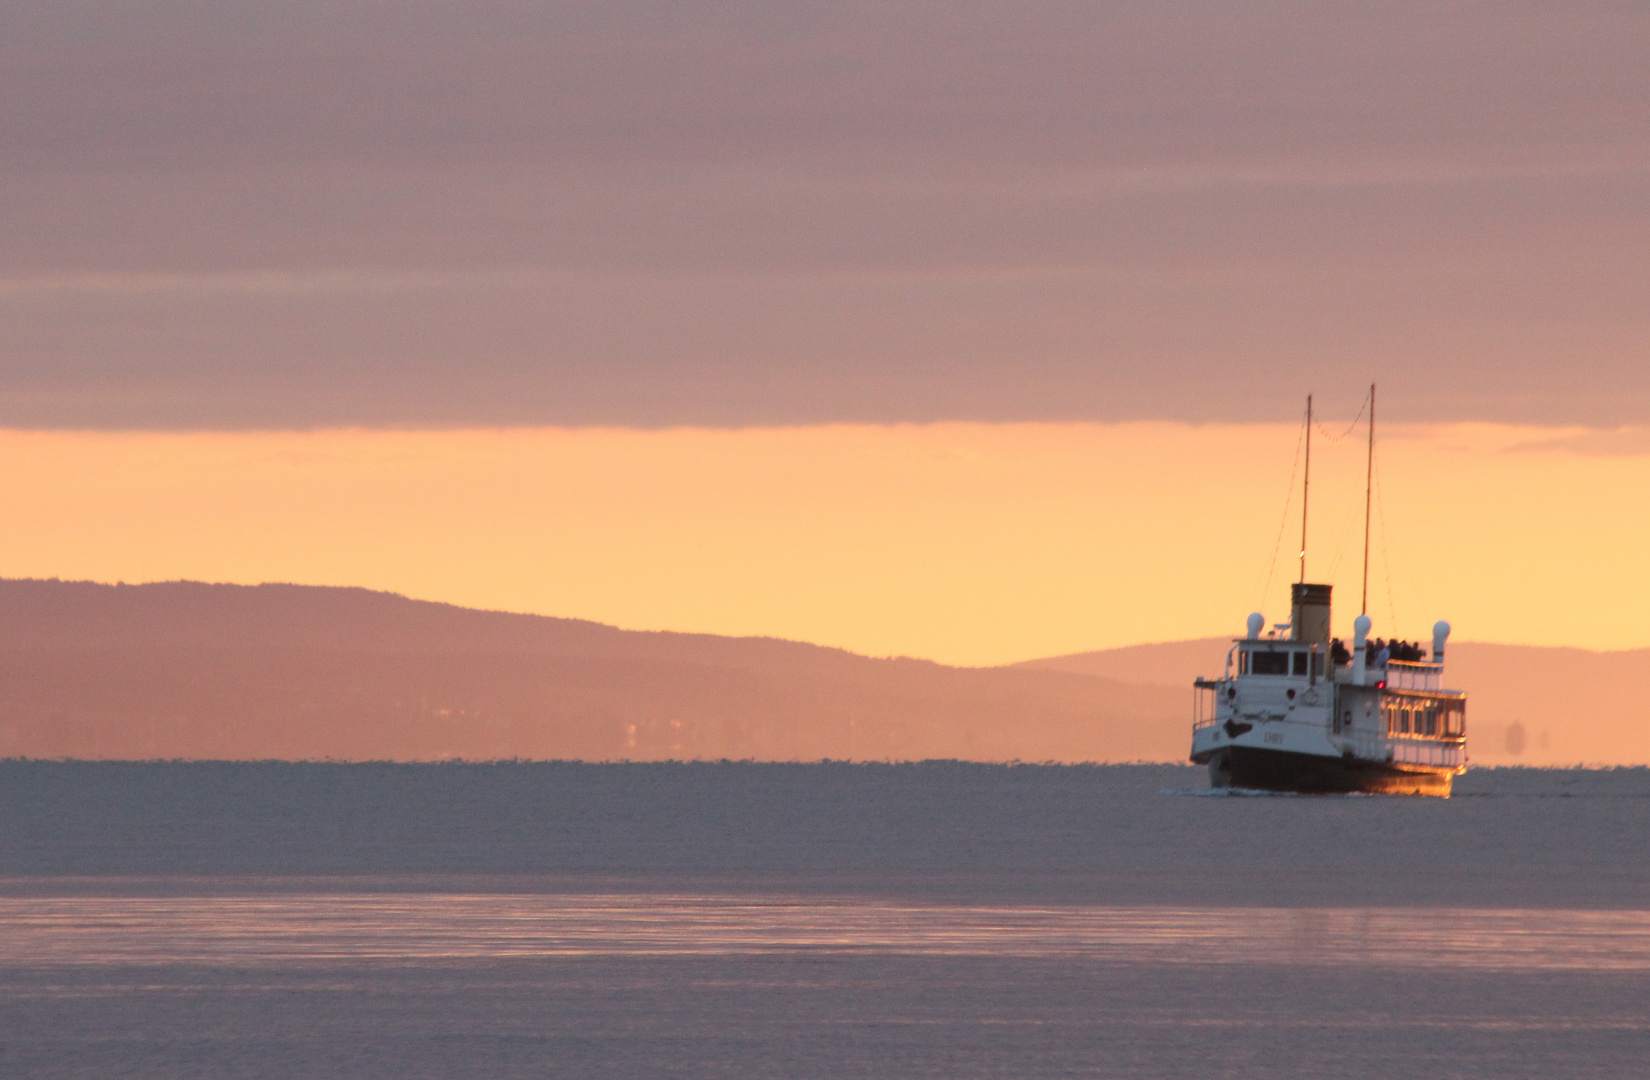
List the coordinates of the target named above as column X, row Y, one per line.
column 1381, row 685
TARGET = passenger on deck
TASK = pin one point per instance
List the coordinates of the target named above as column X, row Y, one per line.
column 1338, row 653
column 1383, row 656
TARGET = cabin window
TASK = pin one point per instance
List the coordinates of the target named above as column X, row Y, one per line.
column 1269, row 663
column 1300, row 663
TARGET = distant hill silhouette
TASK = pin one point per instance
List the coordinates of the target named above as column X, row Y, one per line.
column 1526, row 705
column 191, row 670
column 1169, row 663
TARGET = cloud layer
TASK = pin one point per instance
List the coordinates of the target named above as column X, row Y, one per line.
column 756, row 213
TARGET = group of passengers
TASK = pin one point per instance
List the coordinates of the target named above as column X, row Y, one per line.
column 1378, row 652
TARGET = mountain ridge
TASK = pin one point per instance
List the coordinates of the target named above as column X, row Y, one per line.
column 194, row 670
column 199, row 670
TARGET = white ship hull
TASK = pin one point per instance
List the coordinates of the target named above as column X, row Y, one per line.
column 1287, row 717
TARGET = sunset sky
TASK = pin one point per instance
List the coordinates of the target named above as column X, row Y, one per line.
column 974, row 331
column 969, row 543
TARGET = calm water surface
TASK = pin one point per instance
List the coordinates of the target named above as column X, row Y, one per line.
column 944, row 921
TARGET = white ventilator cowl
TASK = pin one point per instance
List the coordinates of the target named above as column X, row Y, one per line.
column 1256, row 621
column 1440, row 634
column 1360, row 638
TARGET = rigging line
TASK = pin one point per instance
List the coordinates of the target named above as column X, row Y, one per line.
column 1283, row 525
column 1409, row 579
column 1386, row 561
column 1346, row 533
column 1350, row 428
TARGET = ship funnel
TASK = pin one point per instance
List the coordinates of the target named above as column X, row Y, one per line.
column 1360, row 638
column 1310, row 617
column 1256, row 621
column 1440, row 634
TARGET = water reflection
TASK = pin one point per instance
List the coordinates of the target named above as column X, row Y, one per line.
column 410, row 927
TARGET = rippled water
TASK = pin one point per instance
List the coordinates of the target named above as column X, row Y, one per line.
column 426, row 984
column 254, row 931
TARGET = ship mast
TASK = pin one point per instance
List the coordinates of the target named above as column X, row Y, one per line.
column 1306, row 484
column 1369, row 484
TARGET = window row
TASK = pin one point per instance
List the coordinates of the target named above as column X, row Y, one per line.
column 1280, row 662
column 1411, row 716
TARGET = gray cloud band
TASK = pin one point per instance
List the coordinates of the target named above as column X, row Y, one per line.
column 762, row 213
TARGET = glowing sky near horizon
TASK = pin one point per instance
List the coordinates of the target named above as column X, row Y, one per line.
column 880, row 325
column 966, row 543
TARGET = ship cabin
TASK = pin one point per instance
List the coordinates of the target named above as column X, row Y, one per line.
column 1399, row 710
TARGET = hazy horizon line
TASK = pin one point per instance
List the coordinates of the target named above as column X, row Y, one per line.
column 751, row 636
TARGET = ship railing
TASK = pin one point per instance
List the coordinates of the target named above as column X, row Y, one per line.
column 1448, row 755
column 1406, row 750
column 1204, row 703
column 1414, row 675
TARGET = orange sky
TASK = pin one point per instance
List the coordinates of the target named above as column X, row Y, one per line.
column 968, row 543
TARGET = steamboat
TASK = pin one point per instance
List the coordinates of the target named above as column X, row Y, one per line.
column 1297, row 711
